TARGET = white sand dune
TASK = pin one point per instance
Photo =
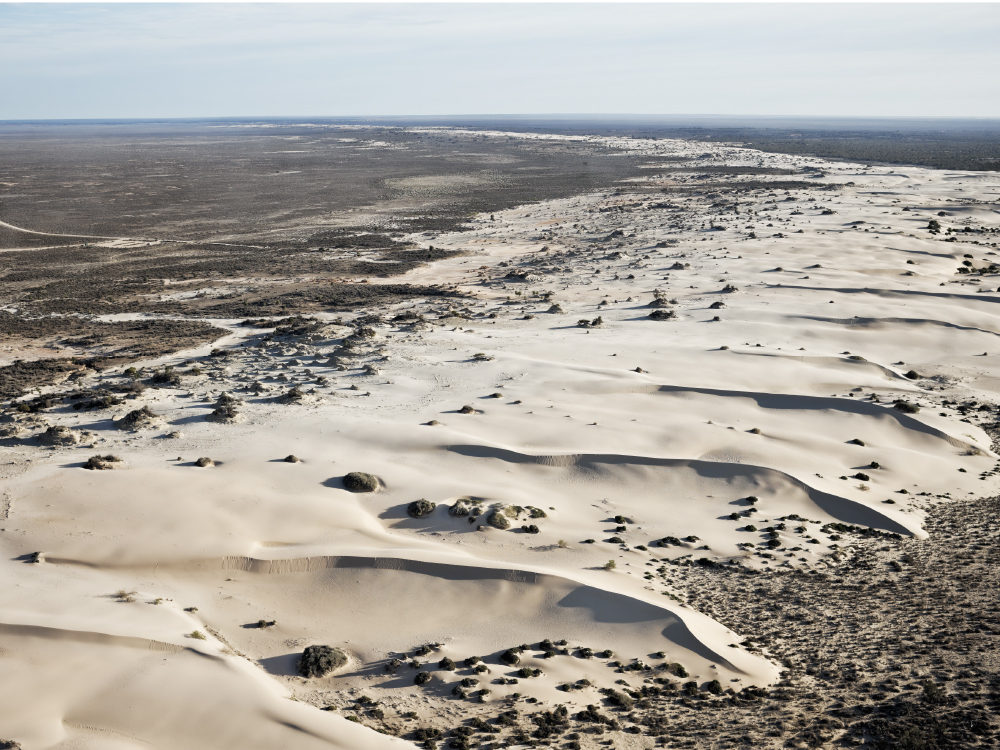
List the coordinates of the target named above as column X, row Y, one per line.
column 627, row 440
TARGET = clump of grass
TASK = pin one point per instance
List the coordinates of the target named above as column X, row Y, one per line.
column 124, row 595
column 610, row 565
column 467, row 410
column 662, row 315
column 318, row 661
column 420, row 508
column 102, row 463
column 510, row 657
column 204, row 462
column 292, row 459
column 294, row 395
column 197, row 635
column 498, row 520
column 138, row 419
column 621, row 700
column 359, row 481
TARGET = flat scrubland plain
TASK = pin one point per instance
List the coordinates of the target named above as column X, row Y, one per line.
column 487, row 439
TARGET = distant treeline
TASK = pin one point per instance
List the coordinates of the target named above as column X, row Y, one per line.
column 945, row 150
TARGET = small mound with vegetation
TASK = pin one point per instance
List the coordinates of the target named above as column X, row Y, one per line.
column 226, row 410
column 139, row 419
column 359, row 481
column 319, row 661
column 102, row 463
column 420, row 508
column 60, row 437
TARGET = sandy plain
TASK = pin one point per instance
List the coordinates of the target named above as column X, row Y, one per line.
column 817, row 377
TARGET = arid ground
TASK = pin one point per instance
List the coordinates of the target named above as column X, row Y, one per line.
column 346, row 436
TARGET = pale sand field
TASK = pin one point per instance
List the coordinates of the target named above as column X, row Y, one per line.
column 668, row 423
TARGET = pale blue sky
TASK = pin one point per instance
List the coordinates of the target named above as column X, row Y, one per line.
column 193, row 60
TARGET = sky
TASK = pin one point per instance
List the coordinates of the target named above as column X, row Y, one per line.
column 252, row 60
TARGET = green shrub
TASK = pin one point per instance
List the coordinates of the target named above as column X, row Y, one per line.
column 510, row 657
column 102, row 462
column 498, row 520
column 447, row 665
column 621, row 700
column 420, row 508
column 714, row 687
column 358, row 481
column 317, row 661
column 422, row 678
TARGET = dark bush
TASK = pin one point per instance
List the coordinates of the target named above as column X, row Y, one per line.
column 510, row 656
column 447, row 665
column 498, row 520
column 714, row 687
column 422, row 678
column 420, row 508
column 621, row 700
column 358, row 481
column 102, row 462
column 317, row 661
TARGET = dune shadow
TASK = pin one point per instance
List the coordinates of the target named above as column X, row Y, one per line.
column 842, row 508
column 618, row 609
column 284, row 665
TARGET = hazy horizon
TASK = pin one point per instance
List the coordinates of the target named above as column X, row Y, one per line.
column 195, row 61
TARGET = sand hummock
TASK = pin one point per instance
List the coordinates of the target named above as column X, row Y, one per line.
column 140, row 419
